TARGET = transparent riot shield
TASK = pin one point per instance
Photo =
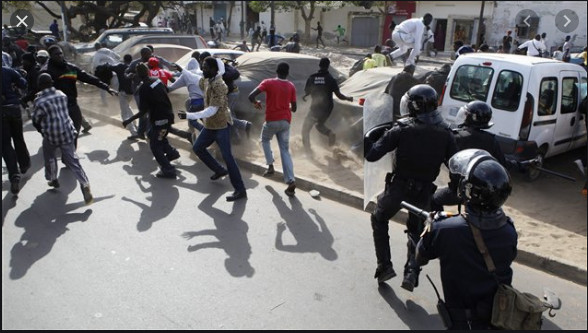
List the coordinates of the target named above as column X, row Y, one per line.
column 377, row 109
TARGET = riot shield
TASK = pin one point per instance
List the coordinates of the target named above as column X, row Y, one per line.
column 377, row 109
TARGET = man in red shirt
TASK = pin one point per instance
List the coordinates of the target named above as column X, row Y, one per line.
column 158, row 72
column 281, row 102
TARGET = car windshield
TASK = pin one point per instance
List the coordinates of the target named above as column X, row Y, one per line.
column 471, row 83
column 125, row 45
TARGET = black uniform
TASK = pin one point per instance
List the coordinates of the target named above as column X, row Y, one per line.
column 153, row 100
column 467, row 283
column 468, row 138
column 421, row 148
column 320, row 86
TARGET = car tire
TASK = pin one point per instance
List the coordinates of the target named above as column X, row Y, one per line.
column 533, row 173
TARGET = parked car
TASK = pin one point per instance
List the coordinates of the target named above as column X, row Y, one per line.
column 170, row 52
column 113, row 37
column 134, row 44
column 534, row 101
column 190, row 41
column 222, row 53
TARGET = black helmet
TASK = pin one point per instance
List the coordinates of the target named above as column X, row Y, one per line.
column 418, row 100
column 484, row 184
column 475, row 114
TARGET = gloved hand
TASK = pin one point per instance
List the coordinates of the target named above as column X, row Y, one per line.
column 125, row 123
column 374, row 135
column 377, row 132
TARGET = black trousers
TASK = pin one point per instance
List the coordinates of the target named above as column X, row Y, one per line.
column 315, row 119
column 76, row 116
column 12, row 134
column 414, row 192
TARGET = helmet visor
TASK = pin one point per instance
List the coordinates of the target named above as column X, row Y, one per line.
column 461, row 116
column 460, row 162
column 404, row 111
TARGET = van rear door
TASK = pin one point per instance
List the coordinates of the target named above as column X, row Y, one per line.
column 508, row 102
column 568, row 119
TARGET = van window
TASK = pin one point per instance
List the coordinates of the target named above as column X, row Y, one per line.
column 569, row 95
column 547, row 96
column 583, row 87
column 507, row 93
column 471, row 83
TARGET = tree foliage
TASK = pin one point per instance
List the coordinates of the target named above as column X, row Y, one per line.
column 99, row 14
column 307, row 9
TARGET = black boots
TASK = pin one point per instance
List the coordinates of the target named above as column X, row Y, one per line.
column 411, row 268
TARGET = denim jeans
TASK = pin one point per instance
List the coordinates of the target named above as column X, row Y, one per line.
column 281, row 129
column 223, row 138
column 160, row 147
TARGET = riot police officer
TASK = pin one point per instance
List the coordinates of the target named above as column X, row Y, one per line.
column 468, row 285
column 473, row 118
column 422, row 142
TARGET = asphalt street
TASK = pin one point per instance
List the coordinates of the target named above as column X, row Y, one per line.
column 155, row 253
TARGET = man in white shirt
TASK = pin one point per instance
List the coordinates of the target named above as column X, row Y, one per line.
column 535, row 47
column 409, row 34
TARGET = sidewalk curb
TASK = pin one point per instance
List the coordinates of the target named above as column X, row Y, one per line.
column 557, row 267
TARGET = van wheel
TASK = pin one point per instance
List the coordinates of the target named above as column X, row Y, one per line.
column 534, row 173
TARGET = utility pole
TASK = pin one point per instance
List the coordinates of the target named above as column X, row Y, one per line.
column 480, row 24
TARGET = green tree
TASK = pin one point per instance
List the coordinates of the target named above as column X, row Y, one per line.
column 99, row 14
column 307, row 9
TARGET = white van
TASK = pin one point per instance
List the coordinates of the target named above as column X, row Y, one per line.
column 533, row 100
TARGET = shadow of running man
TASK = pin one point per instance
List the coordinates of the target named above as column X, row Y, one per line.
column 309, row 238
column 43, row 222
column 164, row 196
column 231, row 232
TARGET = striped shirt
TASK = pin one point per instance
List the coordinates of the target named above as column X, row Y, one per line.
column 52, row 117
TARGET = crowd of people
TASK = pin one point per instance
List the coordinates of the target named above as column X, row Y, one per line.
column 421, row 140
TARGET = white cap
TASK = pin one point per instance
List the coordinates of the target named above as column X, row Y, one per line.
column 43, row 53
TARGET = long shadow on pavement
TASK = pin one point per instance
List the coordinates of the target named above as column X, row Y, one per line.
column 231, row 232
column 412, row 314
column 309, row 238
column 164, row 197
column 9, row 201
column 44, row 222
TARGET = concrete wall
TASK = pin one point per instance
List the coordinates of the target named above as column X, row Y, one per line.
column 506, row 12
column 456, row 12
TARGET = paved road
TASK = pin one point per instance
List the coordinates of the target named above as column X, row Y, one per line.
column 165, row 254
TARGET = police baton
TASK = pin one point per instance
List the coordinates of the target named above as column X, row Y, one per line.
column 555, row 173
column 415, row 210
column 531, row 164
column 420, row 213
